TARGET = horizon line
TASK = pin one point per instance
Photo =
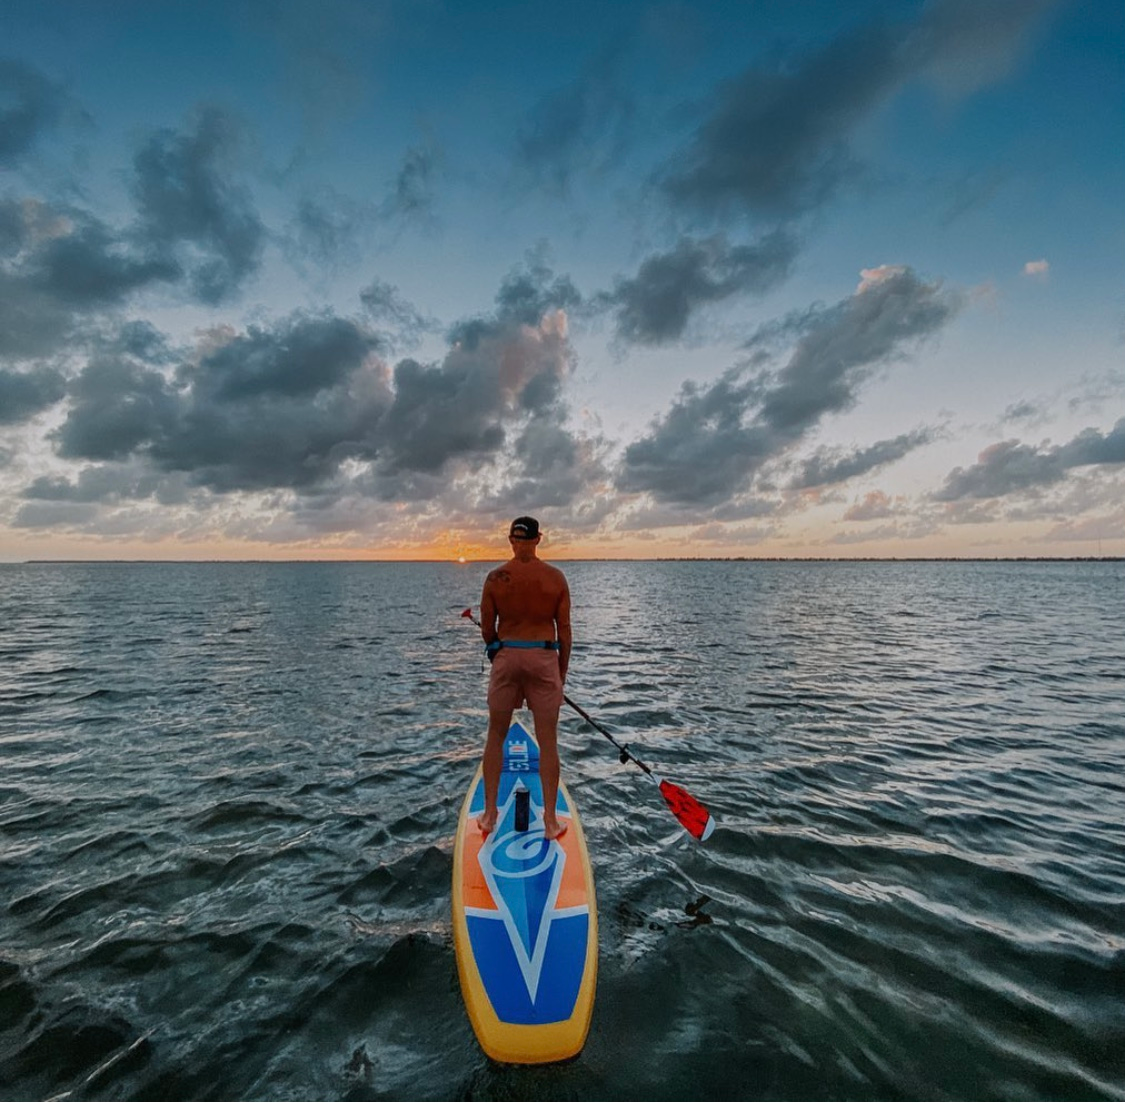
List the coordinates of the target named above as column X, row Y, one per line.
column 611, row 559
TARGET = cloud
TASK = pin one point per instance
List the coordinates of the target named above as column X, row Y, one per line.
column 412, row 196
column 272, row 407
column 714, row 438
column 387, row 308
column 775, row 142
column 830, row 466
column 496, row 373
column 582, row 126
column 188, row 202
column 307, row 404
column 59, row 266
column 1010, row 467
column 1023, row 410
column 700, row 451
column 27, row 393
column 30, row 103
column 90, row 266
column 1037, row 268
column 327, row 228
column 101, row 483
column 875, row 506
column 528, row 293
column 1089, row 530
column 655, row 306
column 840, row 347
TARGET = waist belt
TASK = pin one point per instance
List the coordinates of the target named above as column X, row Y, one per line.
column 549, row 645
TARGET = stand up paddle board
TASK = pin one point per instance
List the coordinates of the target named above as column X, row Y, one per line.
column 525, row 924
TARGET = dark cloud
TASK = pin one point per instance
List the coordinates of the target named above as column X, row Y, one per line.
column 13, row 227
column 845, row 343
column 328, row 227
column 554, row 468
column 279, row 407
column 829, row 466
column 117, row 405
column 61, row 270
column 30, row 103
column 1010, row 467
column 1023, row 410
column 186, row 196
column 713, row 438
column 32, row 324
column 701, row 451
column 775, row 142
column 90, row 267
column 288, row 405
column 583, row 126
column 412, row 196
column 655, row 306
column 99, row 483
column 300, row 360
column 527, row 294
column 27, row 393
column 59, row 267
column 497, row 373
column 388, row 310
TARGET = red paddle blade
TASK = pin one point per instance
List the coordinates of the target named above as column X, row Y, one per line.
column 696, row 820
column 468, row 613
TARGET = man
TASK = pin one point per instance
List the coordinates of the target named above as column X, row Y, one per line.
column 525, row 622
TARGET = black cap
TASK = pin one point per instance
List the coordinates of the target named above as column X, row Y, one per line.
column 524, row 528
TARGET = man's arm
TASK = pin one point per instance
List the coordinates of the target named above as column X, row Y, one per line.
column 488, row 612
column 562, row 627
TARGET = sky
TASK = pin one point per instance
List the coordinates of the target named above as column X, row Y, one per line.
column 368, row 278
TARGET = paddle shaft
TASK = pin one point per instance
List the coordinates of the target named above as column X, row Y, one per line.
column 626, row 754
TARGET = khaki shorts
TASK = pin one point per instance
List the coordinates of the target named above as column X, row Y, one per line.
column 525, row 674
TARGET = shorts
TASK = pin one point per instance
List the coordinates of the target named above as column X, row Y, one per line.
column 530, row 674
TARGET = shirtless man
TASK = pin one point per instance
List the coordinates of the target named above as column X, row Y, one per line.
column 525, row 609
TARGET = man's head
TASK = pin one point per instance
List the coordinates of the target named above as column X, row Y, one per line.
column 524, row 529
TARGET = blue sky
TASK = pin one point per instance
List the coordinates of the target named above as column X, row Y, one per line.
column 366, row 279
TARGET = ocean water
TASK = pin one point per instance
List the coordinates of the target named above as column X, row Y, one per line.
column 228, row 793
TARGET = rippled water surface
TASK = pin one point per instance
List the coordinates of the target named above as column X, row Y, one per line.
column 228, row 793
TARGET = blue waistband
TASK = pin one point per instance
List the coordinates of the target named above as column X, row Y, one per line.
column 550, row 645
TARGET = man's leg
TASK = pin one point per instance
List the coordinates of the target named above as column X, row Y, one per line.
column 499, row 721
column 547, row 735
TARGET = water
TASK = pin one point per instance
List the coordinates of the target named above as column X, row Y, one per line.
column 229, row 790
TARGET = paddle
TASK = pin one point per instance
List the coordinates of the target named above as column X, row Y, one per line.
column 693, row 817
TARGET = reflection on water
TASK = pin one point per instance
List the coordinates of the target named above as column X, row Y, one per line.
column 229, row 793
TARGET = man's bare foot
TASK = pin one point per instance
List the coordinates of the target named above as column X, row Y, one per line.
column 554, row 831
column 486, row 822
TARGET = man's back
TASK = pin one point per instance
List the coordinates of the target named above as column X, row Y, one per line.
column 528, row 598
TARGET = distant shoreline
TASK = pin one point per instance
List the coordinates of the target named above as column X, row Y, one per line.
column 592, row 559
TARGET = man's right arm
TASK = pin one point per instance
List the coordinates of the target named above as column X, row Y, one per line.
column 488, row 612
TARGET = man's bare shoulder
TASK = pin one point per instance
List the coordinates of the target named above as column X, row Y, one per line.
column 555, row 575
column 499, row 574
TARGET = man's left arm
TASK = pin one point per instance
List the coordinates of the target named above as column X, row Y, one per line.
column 562, row 627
